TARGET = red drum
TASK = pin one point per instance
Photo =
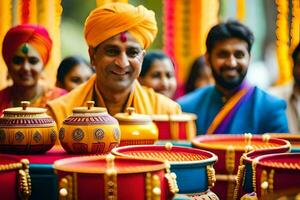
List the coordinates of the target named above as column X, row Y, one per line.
column 276, row 175
column 14, row 178
column 110, row 177
column 176, row 127
column 229, row 149
column 245, row 172
column 193, row 167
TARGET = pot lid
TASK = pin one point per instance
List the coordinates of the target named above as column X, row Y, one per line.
column 132, row 117
column 25, row 109
column 89, row 108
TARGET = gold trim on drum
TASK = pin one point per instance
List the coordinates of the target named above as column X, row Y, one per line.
column 110, row 179
column 152, row 187
column 65, row 189
column 156, row 191
column 60, row 165
column 211, row 176
column 267, row 183
column 24, row 180
column 239, row 179
column 148, row 186
column 10, row 166
column 254, row 163
column 172, row 182
column 230, row 159
column 240, row 176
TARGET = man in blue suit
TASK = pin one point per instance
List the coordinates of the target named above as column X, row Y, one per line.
column 233, row 106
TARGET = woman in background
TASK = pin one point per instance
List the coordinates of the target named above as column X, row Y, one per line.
column 73, row 71
column 26, row 50
column 158, row 72
column 200, row 75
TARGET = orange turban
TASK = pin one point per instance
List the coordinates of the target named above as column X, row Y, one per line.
column 34, row 35
column 111, row 19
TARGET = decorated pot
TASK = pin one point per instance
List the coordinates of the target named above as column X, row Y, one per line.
column 90, row 130
column 276, row 176
column 15, row 181
column 26, row 130
column 176, row 127
column 136, row 128
column 109, row 177
column 229, row 149
column 193, row 167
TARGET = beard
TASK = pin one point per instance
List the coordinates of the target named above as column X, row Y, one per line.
column 228, row 83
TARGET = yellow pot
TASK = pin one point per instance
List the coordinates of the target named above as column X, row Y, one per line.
column 90, row 130
column 26, row 130
column 136, row 128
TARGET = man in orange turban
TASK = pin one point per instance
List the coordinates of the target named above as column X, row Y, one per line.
column 117, row 35
column 26, row 49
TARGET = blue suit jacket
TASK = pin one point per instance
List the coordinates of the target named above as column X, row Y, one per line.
column 262, row 113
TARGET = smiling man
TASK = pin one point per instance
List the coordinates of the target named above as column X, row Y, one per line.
column 233, row 106
column 117, row 35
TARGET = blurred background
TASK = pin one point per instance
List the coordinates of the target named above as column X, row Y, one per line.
column 183, row 25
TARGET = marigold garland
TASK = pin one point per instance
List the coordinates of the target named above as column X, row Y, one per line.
column 50, row 17
column 240, row 10
column 186, row 24
column 6, row 21
column 282, row 33
column 25, row 6
column 26, row 12
column 295, row 26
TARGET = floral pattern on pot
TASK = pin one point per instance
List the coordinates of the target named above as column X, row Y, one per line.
column 99, row 134
column 78, row 134
column 19, row 136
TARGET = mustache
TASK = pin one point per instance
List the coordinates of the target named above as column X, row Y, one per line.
column 228, row 68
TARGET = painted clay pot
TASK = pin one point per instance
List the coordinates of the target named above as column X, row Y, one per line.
column 109, row 177
column 229, row 149
column 14, row 178
column 136, row 129
column 26, row 130
column 193, row 167
column 90, row 130
column 176, row 127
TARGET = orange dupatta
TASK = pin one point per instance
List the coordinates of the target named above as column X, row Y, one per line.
column 226, row 110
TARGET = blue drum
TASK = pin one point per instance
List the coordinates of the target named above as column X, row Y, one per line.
column 193, row 167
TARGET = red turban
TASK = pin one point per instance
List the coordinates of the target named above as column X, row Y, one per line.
column 111, row 19
column 37, row 36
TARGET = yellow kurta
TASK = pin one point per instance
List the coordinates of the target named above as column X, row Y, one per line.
column 144, row 100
